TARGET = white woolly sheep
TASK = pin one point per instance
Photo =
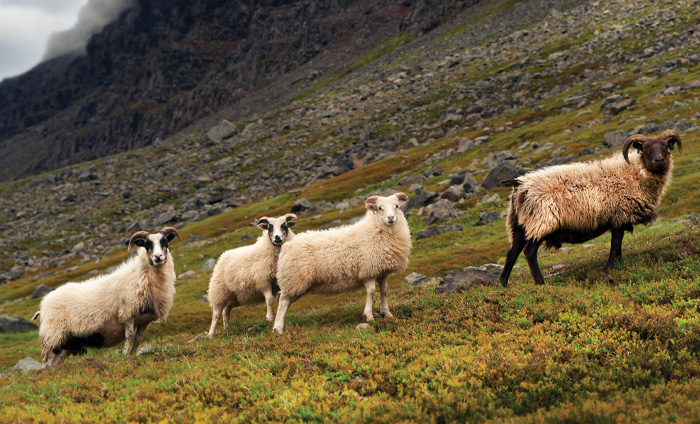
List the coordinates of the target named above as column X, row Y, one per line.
column 340, row 259
column 577, row 202
column 246, row 275
column 108, row 309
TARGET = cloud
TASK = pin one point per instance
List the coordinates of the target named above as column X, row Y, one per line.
column 23, row 33
column 26, row 28
column 91, row 19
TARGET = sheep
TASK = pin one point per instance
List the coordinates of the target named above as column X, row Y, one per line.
column 108, row 309
column 247, row 274
column 340, row 259
column 577, row 202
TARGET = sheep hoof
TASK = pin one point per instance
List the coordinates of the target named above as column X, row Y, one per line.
column 277, row 330
column 369, row 317
column 388, row 315
column 269, row 318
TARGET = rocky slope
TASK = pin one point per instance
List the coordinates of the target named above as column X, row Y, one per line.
column 488, row 75
column 164, row 64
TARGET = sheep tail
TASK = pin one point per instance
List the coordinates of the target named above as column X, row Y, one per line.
column 36, row 315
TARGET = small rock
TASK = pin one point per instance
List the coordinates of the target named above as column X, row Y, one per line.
column 454, row 193
column 208, row 265
column 193, row 239
column 362, row 326
column 203, row 298
column 198, row 337
column 615, row 98
column 437, row 230
column 147, row 348
column 411, row 179
column 416, row 279
column 22, row 366
column 433, row 171
column 420, row 199
column 41, row 291
column 487, row 218
column 646, row 129
column 457, row 281
column 253, row 330
column 185, row 274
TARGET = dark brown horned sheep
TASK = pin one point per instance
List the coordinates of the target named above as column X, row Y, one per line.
column 577, row 202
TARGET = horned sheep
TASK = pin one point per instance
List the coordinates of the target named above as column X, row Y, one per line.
column 340, row 259
column 577, row 202
column 108, row 309
column 246, row 274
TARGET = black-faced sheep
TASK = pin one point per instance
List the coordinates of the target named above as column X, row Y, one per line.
column 577, row 202
column 108, row 309
column 246, row 275
column 340, row 259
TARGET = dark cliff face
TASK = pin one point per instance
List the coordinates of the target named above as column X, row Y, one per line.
column 162, row 65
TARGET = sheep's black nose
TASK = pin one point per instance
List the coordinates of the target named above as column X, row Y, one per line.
column 278, row 239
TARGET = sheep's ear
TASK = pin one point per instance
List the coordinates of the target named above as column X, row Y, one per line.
column 170, row 233
column 291, row 219
column 263, row 223
column 371, row 203
column 138, row 239
column 402, row 198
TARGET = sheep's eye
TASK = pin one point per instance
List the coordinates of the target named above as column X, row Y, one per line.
column 381, row 208
column 396, row 206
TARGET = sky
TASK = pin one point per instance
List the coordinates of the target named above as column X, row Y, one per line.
column 26, row 28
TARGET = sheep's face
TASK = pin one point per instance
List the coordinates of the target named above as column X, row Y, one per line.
column 387, row 210
column 277, row 228
column 654, row 152
column 156, row 245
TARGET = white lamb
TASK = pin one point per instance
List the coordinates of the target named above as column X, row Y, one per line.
column 246, row 275
column 108, row 309
column 341, row 259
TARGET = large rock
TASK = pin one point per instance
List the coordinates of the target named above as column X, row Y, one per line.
column 441, row 211
column 438, row 229
column 618, row 107
column 615, row 138
column 502, row 171
column 610, row 101
column 420, row 198
column 457, row 281
column 301, row 205
column 10, row 324
column 454, row 193
column 41, row 291
column 24, row 365
column 646, row 129
column 209, row 264
column 222, row 131
column 470, row 185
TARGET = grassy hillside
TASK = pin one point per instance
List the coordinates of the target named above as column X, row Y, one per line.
column 589, row 346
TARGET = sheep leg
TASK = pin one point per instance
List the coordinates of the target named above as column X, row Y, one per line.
column 512, row 255
column 384, row 292
column 282, row 307
column 140, row 330
column 615, row 246
column 215, row 315
column 530, row 251
column 227, row 312
column 371, row 289
column 129, row 333
column 58, row 358
column 269, row 300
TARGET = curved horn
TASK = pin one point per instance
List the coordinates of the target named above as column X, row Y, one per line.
column 170, row 233
column 631, row 139
column 672, row 137
column 139, row 235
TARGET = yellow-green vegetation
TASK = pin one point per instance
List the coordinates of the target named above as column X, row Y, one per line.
column 588, row 346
